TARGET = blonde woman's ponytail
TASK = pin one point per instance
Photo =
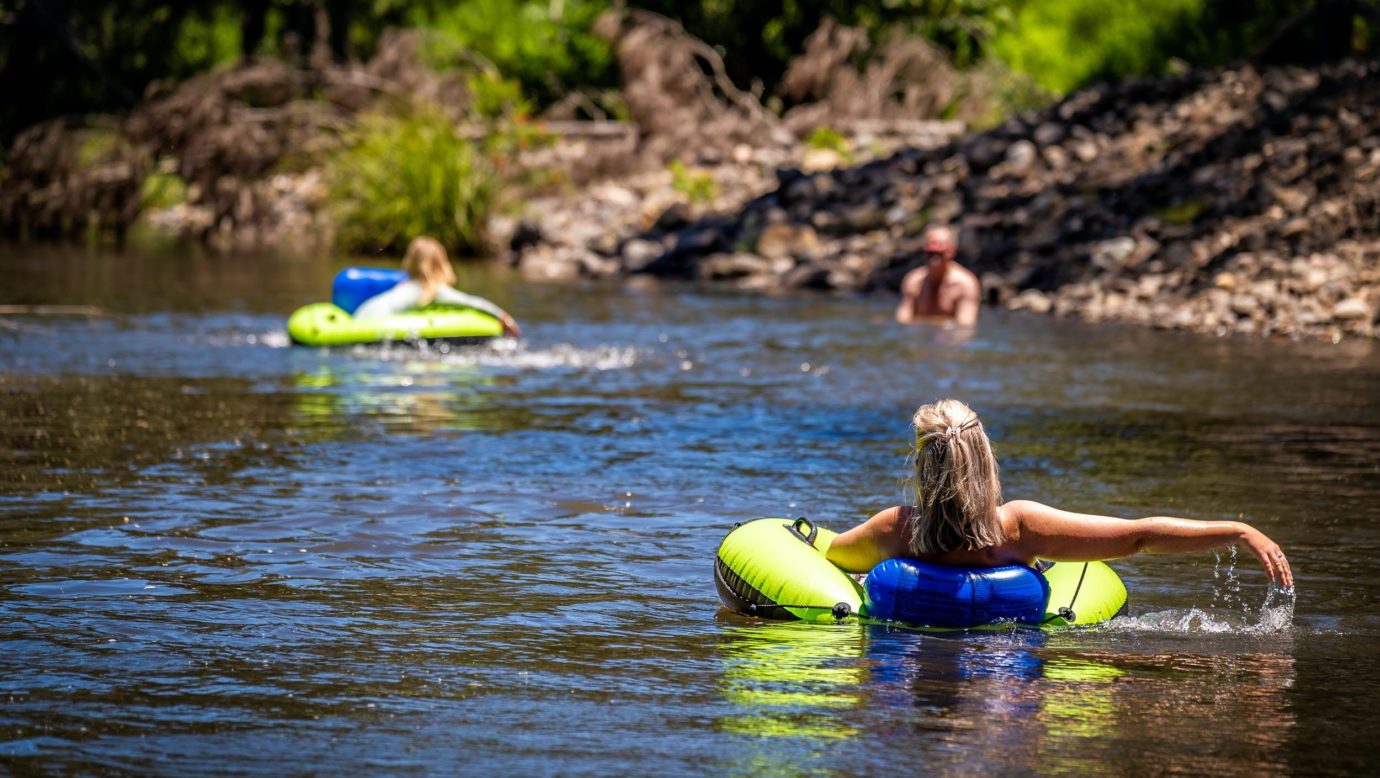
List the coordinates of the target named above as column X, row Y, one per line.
column 957, row 491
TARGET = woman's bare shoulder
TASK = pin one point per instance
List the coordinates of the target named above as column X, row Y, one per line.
column 893, row 514
column 892, row 530
column 1024, row 508
column 881, row 537
column 1016, row 516
column 1010, row 515
column 892, row 524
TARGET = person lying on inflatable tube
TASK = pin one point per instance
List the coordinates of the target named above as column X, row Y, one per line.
column 429, row 280
column 960, row 519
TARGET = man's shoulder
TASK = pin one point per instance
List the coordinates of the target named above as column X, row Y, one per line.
column 965, row 277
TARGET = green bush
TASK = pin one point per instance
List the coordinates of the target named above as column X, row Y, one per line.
column 1064, row 44
column 397, row 178
column 496, row 97
column 549, row 51
column 204, row 42
column 163, row 190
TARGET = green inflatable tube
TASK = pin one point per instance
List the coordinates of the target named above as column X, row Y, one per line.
column 324, row 324
column 775, row 568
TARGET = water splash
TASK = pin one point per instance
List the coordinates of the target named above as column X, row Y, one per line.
column 1228, row 611
column 1275, row 617
column 506, row 352
column 1193, row 620
column 1226, row 586
column 1277, row 613
column 275, row 339
column 235, row 338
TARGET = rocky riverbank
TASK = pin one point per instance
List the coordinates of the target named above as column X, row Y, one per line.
column 1231, row 201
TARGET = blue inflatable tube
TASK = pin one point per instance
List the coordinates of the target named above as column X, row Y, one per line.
column 926, row 595
column 354, row 285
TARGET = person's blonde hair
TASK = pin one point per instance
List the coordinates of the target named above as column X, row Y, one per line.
column 956, row 487
column 427, row 262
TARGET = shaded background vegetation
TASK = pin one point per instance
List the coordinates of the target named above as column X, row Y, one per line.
column 79, row 56
column 231, row 108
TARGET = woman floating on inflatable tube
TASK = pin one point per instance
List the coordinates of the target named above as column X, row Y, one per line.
column 430, row 279
column 959, row 518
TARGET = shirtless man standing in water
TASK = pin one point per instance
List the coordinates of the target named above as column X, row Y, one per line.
column 941, row 290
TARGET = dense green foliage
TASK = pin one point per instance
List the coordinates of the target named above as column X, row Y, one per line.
column 402, row 177
column 549, row 54
column 758, row 39
column 81, row 56
column 85, row 55
column 1066, row 44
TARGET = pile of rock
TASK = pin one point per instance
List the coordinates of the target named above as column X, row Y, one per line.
column 1239, row 200
column 686, row 113
column 625, row 224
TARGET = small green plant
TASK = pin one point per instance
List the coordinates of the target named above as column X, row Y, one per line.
column 496, row 97
column 398, row 178
column 163, row 190
column 831, row 140
column 697, row 185
column 1181, row 213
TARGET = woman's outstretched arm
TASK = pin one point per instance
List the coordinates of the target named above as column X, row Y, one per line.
column 1060, row 536
column 452, row 296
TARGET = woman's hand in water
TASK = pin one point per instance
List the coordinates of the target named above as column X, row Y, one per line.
column 510, row 326
column 1269, row 553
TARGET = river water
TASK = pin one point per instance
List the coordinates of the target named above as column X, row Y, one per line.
column 222, row 554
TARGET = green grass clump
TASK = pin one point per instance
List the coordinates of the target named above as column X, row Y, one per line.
column 697, row 185
column 163, row 190
column 496, row 97
column 1181, row 213
column 398, row 178
column 831, row 140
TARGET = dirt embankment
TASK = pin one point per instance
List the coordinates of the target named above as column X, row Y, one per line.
column 1229, row 201
column 240, row 147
